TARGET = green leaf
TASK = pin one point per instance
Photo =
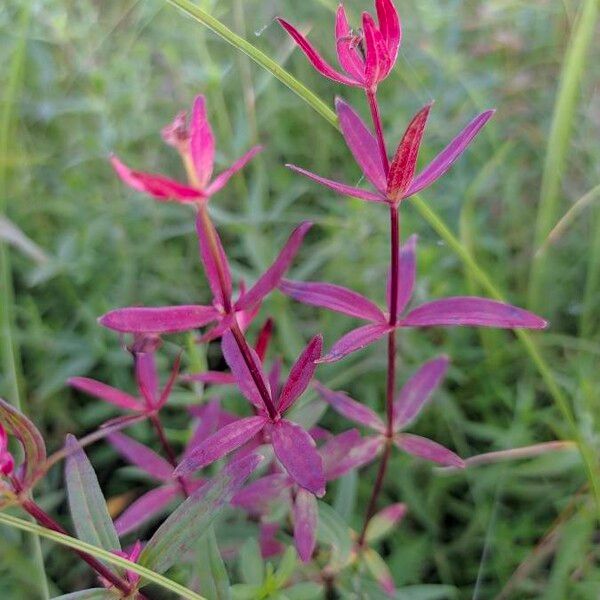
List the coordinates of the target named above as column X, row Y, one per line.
column 88, row 507
column 244, row 591
column 304, row 591
column 34, row 449
column 332, row 530
column 212, row 574
column 379, row 569
column 286, row 567
column 91, row 594
column 251, row 564
column 191, row 519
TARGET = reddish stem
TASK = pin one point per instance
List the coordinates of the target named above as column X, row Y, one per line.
column 253, row 368
column 235, row 328
column 45, row 520
column 171, row 456
column 376, row 117
column 391, row 362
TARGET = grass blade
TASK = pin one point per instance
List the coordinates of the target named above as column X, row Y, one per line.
column 560, row 136
column 103, row 555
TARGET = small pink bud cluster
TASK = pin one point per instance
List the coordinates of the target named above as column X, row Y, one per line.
column 7, row 463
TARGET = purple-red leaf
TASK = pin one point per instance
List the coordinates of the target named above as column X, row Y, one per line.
column 221, row 443
column 347, row 51
column 258, row 495
column 446, row 158
column 341, row 188
column 272, row 276
column 164, row 395
column 297, row 452
column 146, row 376
column 471, row 311
column 105, row 392
column 333, row 297
column 157, row 186
column 202, row 142
column 221, row 179
column 377, row 59
column 300, row 374
column 141, row 456
column 362, row 144
column 351, row 409
column 355, row 340
column 348, row 451
column 407, row 267
column 167, row 319
column 390, row 27
column 417, row 391
column 239, row 368
column 305, row 523
column 144, row 508
column 428, row 449
column 314, row 57
column 403, row 166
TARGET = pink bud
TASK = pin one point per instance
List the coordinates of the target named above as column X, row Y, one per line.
column 7, row 462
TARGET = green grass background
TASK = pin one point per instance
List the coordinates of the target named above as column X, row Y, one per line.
column 79, row 80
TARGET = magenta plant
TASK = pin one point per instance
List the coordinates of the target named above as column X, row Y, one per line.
column 297, row 458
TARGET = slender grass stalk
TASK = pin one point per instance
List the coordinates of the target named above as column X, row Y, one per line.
column 434, row 220
column 559, row 139
column 100, row 554
column 11, row 361
column 257, row 56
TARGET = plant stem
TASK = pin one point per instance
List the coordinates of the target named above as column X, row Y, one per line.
column 47, row 521
column 391, row 362
column 376, row 117
column 168, row 449
column 234, row 327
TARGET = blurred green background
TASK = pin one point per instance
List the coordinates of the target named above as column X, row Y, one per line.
column 81, row 79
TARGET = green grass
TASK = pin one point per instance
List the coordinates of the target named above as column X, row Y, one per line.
column 98, row 77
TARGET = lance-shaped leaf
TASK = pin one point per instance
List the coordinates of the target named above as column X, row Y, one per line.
column 332, row 530
column 216, row 265
column 210, row 568
column 34, row 449
column 348, row 451
column 241, row 372
column 317, row 61
column 305, row 523
column 348, row 53
column 389, row 25
column 446, row 158
column 158, row 186
column 222, row 178
column 351, row 409
column 417, row 391
column 384, row 522
column 145, row 508
column 379, row 570
column 180, row 532
column 355, row 340
column 377, row 60
column 270, row 279
column 147, row 376
column 221, row 443
column 86, row 502
column 403, row 166
column 407, row 272
column 362, row 144
column 258, row 495
column 202, row 142
column 428, row 449
column 471, row 311
column 296, row 451
column 333, row 297
column 105, row 392
column 167, row 319
column 141, row 456
column 341, row 188
column 300, row 374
